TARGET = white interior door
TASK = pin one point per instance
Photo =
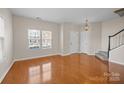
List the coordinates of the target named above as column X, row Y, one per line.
column 84, row 42
column 74, row 42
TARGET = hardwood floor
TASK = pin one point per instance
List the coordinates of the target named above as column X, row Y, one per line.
column 72, row 69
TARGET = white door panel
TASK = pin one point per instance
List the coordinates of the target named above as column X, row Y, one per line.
column 74, row 42
column 84, row 42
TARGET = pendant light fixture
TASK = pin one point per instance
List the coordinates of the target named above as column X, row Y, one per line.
column 86, row 25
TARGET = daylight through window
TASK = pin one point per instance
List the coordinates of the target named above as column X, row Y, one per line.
column 39, row 38
column 34, row 39
column 46, row 39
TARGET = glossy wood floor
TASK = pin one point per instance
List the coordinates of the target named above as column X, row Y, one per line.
column 72, row 69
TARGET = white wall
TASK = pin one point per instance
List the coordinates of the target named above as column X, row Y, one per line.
column 110, row 27
column 21, row 26
column 8, row 55
column 95, row 38
column 117, row 55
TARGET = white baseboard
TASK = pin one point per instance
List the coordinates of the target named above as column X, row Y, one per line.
column 5, row 73
column 65, row 54
column 27, row 58
column 113, row 61
column 88, row 54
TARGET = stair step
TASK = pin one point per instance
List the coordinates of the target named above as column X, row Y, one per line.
column 102, row 55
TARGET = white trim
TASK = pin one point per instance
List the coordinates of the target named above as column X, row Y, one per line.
column 90, row 54
column 5, row 73
column 27, row 58
column 65, row 54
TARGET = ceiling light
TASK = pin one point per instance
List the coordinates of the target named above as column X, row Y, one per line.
column 86, row 25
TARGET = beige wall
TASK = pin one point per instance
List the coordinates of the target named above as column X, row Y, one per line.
column 8, row 47
column 95, row 38
column 21, row 26
column 109, row 28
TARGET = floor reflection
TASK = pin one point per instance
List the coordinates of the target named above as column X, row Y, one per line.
column 34, row 74
column 46, row 68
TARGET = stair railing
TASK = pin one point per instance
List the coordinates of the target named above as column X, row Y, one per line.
column 115, row 41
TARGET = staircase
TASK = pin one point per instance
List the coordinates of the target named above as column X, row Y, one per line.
column 114, row 42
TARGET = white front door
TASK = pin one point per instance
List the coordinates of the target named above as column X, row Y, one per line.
column 74, row 42
column 84, row 42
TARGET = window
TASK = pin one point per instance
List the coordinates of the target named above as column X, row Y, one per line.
column 37, row 38
column 1, row 38
column 46, row 39
column 34, row 39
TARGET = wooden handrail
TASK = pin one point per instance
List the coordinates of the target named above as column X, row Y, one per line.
column 109, row 45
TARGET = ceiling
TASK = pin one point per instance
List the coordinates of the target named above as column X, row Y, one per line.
column 73, row 15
